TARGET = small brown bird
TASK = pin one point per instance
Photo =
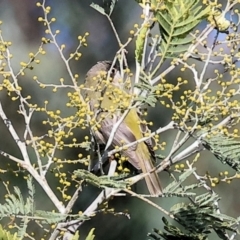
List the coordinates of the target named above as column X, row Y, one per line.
column 108, row 101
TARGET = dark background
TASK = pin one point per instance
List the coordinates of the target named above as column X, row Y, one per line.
column 20, row 26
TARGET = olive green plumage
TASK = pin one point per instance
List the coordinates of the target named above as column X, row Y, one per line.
column 108, row 100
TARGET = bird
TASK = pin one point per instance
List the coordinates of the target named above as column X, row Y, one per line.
column 108, row 99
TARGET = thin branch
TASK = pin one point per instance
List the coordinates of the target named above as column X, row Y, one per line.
column 105, row 194
column 139, row 196
column 27, row 164
column 9, row 156
column 114, row 30
column 169, row 126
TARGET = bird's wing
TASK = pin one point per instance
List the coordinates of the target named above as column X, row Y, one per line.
column 149, row 142
column 139, row 157
column 122, row 137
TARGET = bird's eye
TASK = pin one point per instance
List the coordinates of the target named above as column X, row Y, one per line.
column 113, row 72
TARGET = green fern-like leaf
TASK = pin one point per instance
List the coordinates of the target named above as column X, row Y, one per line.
column 14, row 205
column 98, row 8
column 5, row 235
column 23, row 228
column 148, row 93
column 203, row 216
column 76, row 236
column 225, row 148
column 90, row 235
column 50, row 217
column 173, row 188
column 30, row 204
column 107, row 9
column 140, row 41
column 198, row 220
column 103, row 181
column 176, row 20
column 175, row 233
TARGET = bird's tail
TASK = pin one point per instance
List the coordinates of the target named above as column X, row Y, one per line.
column 152, row 179
column 153, row 182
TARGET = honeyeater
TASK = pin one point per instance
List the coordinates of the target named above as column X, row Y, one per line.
column 108, row 99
